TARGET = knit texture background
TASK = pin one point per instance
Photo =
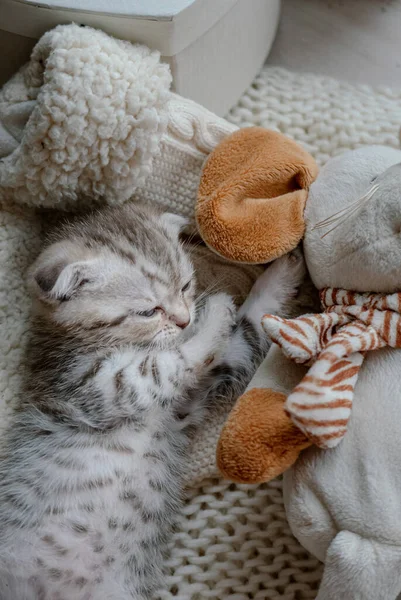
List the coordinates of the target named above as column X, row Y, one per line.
column 233, row 541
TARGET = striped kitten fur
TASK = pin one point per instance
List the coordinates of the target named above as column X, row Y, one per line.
column 123, row 363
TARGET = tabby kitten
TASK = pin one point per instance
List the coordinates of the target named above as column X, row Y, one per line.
column 122, row 363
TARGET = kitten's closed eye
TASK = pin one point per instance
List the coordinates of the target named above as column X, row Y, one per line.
column 186, row 287
column 148, row 313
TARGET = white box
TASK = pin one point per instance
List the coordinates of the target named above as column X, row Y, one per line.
column 214, row 47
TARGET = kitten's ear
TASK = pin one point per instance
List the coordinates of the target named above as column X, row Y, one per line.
column 174, row 223
column 56, row 281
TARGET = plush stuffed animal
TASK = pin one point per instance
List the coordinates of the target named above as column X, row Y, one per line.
column 343, row 503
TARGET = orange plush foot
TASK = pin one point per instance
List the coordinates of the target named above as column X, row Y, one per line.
column 259, row 441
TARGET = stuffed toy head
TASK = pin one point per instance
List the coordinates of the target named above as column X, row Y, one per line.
column 252, row 195
column 352, row 248
column 356, row 204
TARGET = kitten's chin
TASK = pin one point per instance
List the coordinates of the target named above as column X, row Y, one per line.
column 166, row 338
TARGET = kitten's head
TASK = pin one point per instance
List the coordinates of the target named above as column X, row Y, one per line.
column 120, row 276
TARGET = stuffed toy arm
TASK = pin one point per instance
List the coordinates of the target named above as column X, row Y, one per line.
column 357, row 567
column 259, row 440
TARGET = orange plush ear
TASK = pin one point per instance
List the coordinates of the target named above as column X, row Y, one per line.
column 252, row 195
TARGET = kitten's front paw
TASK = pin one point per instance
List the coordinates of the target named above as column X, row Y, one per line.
column 214, row 329
column 293, row 268
column 283, row 278
column 275, row 288
column 221, row 313
column 216, row 325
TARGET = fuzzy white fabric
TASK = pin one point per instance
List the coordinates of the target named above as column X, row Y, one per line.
column 83, row 118
column 233, row 541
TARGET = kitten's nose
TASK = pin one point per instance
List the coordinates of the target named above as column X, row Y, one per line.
column 181, row 323
column 182, row 320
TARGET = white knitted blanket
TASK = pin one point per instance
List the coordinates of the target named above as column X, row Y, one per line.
column 232, row 542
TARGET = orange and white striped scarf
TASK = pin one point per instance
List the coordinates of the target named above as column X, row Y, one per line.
column 334, row 343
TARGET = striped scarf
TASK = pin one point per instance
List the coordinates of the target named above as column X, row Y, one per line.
column 334, row 343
